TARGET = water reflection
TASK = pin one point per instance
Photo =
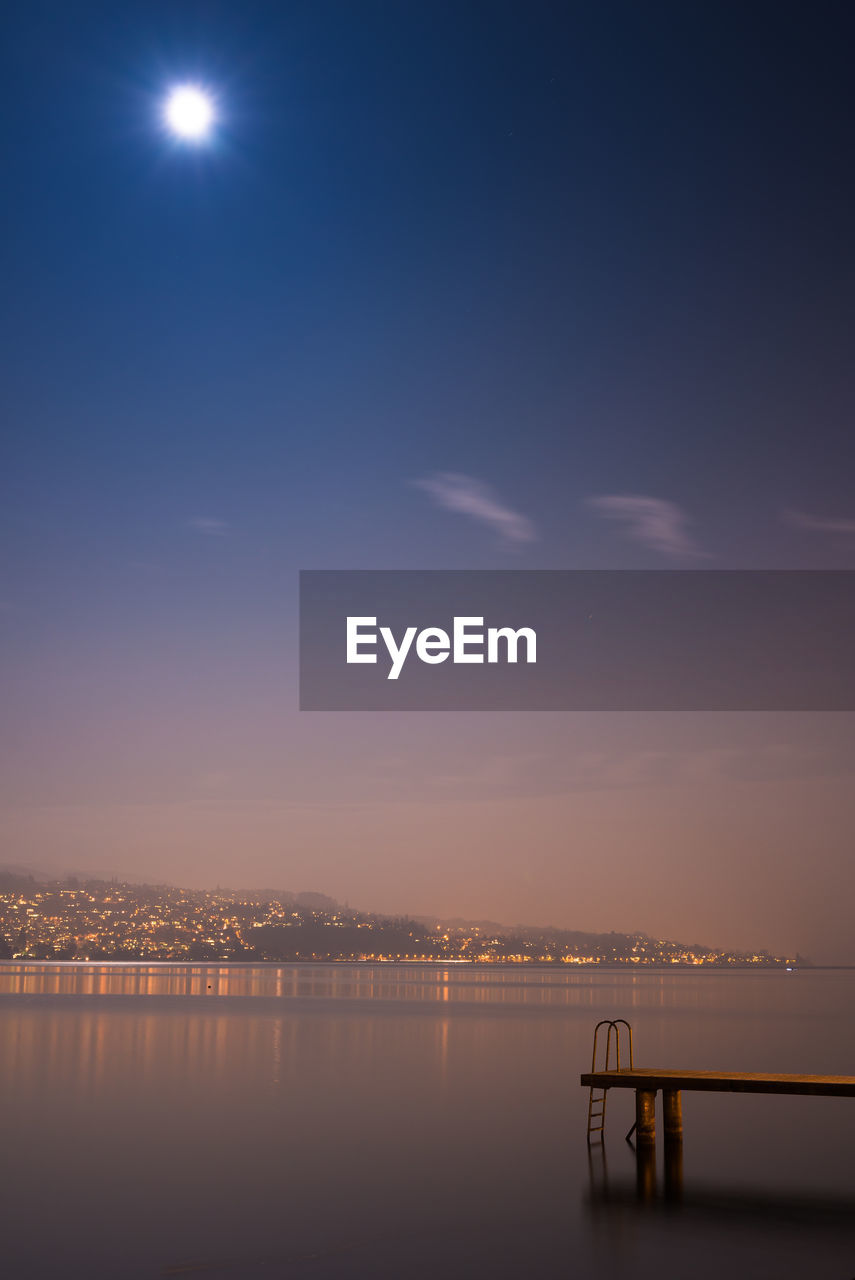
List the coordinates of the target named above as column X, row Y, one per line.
column 563, row 988
column 644, row 1218
column 623, row 1194
column 421, row 1121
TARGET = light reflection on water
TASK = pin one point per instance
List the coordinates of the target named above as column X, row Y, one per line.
column 357, row 1121
column 499, row 985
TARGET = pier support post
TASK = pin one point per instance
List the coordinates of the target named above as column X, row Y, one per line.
column 645, row 1117
column 672, row 1110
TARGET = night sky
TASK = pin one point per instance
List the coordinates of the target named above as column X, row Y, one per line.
column 449, row 286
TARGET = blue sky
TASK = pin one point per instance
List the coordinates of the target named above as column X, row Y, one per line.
column 459, row 285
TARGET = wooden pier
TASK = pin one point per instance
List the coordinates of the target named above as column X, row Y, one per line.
column 647, row 1082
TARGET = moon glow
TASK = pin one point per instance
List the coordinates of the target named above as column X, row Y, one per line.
column 189, row 113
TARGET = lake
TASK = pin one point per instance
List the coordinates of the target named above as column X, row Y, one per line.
column 410, row 1121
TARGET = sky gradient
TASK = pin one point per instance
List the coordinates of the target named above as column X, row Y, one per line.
column 453, row 286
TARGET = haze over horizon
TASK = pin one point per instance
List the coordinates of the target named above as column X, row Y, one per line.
column 576, row 296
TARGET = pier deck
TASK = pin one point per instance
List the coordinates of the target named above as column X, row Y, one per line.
column 648, row 1079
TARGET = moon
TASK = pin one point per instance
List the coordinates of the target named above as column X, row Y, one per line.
column 189, row 113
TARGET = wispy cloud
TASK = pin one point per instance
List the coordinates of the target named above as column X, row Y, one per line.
column 654, row 522
column 820, row 524
column 211, row 528
column 474, row 498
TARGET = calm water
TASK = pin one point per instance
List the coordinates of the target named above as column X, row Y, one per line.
column 350, row 1121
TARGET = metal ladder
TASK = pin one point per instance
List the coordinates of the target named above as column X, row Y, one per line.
column 597, row 1105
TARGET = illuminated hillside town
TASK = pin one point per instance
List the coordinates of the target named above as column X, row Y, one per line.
column 76, row 919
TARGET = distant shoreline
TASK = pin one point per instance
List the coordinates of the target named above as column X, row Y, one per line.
column 486, row 965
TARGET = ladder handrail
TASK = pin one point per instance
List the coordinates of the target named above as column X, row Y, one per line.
column 614, row 1025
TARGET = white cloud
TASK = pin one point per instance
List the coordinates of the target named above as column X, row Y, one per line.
column 819, row 524
column 653, row 522
column 211, row 528
column 473, row 498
